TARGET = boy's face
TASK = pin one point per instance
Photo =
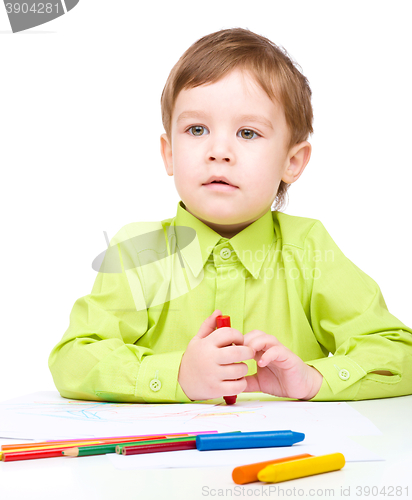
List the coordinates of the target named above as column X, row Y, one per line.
column 214, row 135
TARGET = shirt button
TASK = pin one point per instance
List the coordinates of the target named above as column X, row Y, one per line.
column 225, row 253
column 344, row 374
column 155, row 385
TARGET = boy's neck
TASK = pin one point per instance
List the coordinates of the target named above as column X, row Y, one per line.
column 225, row 230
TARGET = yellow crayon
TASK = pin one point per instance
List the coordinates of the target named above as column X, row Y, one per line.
column 277, row 473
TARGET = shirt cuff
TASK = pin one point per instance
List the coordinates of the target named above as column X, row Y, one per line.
column 157, row 380
column 341, row 378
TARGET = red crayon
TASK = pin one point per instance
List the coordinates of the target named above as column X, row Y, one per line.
column 158, row 447
column 222, row 321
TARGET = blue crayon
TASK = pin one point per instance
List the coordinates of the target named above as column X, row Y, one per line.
column 261, row 439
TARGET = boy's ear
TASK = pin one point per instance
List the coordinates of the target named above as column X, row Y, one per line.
column 298, row 158
column 166, row 152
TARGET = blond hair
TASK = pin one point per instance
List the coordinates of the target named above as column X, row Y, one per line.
column 215, row 55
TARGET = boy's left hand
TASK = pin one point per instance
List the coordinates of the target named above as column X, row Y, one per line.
column 280, row 372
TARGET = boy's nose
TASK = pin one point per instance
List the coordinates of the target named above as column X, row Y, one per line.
column 213, row 158
column 221, row 153
column 220, row 149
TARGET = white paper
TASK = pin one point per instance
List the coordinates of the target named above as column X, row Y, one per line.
column 317, row 418
column 47, row 414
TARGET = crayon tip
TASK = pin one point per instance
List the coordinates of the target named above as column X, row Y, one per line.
column 265, row 475
column 298, row 436
column 230, row 400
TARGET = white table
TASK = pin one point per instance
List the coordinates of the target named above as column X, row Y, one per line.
column 95, row 477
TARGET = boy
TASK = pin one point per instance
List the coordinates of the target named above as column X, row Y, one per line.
column 237, row 115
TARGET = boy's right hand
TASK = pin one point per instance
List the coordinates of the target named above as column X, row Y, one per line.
column 210, row 366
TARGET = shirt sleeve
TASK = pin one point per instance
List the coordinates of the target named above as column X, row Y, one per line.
column 350, row 319
column 99, row 356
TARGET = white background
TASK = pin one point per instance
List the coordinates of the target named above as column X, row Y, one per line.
column 79, row 145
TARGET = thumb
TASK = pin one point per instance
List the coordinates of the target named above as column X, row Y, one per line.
column 209, row 325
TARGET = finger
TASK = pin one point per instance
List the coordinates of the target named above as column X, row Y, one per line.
column 251, row 337
column 280, row 355
column 235, row 371
column 227, row 336
column 232, row 387
column 234, row 354
column 209, row 325
column 263, row 342
column 252, row 334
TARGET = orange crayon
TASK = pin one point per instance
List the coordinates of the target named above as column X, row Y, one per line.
column 248, row 473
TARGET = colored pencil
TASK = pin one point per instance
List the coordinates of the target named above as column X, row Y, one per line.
column 102, row 440
column 50, row 447
column 84, row 451
column 59, row 451
column 98, row 448
column 159, row 447
column 30, row 455
column 79, row 443
column 248, row 473
column 46, row 449
column 119, row 448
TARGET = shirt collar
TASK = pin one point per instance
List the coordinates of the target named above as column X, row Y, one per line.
column 251, row 245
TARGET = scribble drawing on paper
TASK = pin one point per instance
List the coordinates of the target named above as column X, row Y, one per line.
column 103, row 411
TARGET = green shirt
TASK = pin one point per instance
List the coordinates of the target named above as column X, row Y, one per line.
column 283, row 275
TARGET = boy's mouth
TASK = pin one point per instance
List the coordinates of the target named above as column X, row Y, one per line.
column 219, row 181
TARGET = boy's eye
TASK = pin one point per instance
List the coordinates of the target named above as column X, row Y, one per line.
column 247, row 133
column 199, row 130
column 196, row 130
